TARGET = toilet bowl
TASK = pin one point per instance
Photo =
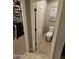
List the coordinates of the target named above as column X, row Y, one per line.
column 49, row 34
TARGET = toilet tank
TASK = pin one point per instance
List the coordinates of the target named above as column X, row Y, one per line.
column 51, row 28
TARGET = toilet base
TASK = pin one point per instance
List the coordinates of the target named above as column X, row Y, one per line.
column 48, row 39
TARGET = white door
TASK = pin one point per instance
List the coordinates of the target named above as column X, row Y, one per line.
column 39, row 22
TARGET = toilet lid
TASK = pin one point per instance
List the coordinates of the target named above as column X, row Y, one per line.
column 49, row 34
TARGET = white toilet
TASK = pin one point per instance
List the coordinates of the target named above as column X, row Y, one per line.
column 49, row 34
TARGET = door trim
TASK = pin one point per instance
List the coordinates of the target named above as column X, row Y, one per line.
column 24, row 17
column 32, row 7
column 59, row 10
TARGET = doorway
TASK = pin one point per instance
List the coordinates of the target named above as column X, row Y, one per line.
column 40, row 12
column 19, row 44
column 39, row 21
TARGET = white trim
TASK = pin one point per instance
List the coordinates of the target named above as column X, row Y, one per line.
column 32, row 6
column 25, row 24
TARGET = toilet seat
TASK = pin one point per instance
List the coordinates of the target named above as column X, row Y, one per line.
column 49, row 34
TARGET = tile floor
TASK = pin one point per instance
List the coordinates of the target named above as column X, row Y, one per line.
column 34, row 56
column 42, row 52
column 19, row 46
column 44, row 47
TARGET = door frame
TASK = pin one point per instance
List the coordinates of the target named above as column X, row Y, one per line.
column 54, row 39
column 60, row 5
column 24, row 18
column 33, row 5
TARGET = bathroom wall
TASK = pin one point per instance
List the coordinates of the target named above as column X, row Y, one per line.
column 50, row 3
column 60, row 40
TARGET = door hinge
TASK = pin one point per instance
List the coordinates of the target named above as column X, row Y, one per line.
column 35, row 29
column 35, row 43
column 35, row 10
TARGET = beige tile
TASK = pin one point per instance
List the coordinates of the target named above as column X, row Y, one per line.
column 34, row 56
column 19, row 46
column 42, row 52
column 44, row 47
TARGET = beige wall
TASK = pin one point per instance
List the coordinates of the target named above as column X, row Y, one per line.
column 60, row 36
column 54, row 53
